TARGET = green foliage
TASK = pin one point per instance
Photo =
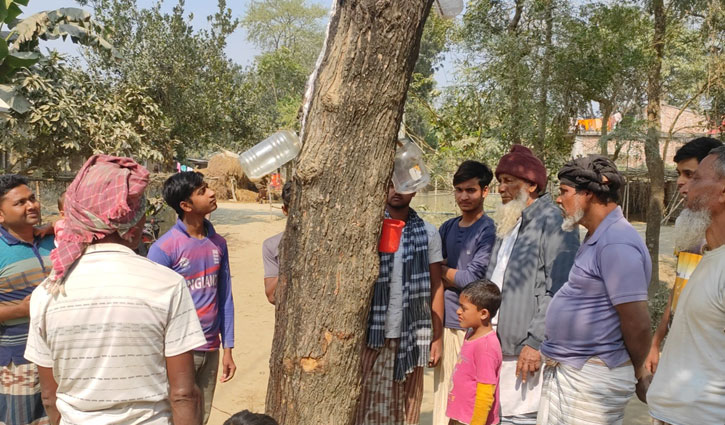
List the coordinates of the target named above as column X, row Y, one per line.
column 293, row 25
column 205, row 97
column 19, row 45
column 73, row 116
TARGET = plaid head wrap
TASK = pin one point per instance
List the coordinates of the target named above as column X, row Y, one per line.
column 107, row 196
column 595, row 173
column 416, row 327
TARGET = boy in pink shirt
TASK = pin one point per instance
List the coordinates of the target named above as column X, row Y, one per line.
column 473, row 399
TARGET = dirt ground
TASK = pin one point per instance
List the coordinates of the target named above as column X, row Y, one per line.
column 245, row 227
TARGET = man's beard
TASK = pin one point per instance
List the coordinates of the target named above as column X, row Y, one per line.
column 690, row 228
column 507, row 215
column 571, row 222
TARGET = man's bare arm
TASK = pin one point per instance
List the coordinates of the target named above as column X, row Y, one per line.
column 48, row 389
column 270, row 285
column 184, row 395
column 16, row 311
column 635, row 325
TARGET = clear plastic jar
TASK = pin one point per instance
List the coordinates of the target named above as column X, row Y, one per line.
column 410, row 173
column 269, row 154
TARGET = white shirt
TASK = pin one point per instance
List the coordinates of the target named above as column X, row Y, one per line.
column 394, row 318
column 689, row 385
column 108, row 337
column 502, row 260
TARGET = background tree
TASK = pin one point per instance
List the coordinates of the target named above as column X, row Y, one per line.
column 348, row 134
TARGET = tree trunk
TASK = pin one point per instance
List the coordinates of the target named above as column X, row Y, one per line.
column 328, row 257
column 604, row 134
column 543, row 118
column 653, row 159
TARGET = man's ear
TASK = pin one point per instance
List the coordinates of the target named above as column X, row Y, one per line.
column 485, row 191
column 185, row 206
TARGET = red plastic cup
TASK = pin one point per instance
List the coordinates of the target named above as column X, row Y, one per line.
column 390, row 236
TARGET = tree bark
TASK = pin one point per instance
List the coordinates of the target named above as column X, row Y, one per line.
column 607, row 108
column 653, row 159
column 328, row 257
column 543, row 118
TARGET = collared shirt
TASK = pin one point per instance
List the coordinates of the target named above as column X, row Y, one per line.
column 689, row 386
column 204, row 263
column 108, row 335
column 612, row 267
column 23, row 266
column 468, row 250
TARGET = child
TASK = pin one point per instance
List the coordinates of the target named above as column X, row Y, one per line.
column 59, row 225
column 474, row 394
column 194, row 250
column 245, row 417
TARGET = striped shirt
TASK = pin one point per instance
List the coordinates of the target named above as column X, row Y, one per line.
column 108, row 335
column 204, row 263
column 23, row 266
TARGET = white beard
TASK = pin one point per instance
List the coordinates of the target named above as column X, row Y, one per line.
column 571, row 222
column 507, row 215
column 690, row 228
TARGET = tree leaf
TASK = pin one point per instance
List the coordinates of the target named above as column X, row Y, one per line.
column 22, row 59
column 12, row 12
column 14, row 101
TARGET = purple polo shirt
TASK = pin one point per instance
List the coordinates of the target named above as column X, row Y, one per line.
column 611, row 267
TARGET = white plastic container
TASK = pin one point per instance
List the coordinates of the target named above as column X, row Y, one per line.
column 410, row 173
column 269, row 154
column 448, row 8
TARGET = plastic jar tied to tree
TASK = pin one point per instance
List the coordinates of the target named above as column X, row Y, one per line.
column 269, row 154
column 448, row 8
column 410, row 173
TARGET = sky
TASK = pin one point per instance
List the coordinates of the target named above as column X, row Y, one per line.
column 238, row 48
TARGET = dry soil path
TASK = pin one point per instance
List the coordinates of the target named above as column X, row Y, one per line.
column 246, row 226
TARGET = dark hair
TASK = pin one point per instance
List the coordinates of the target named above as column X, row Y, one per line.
column 9, row 182
column 483, row 294
column 180, row 187
column 245, row 417
column 697, row 148
column 61, row 201
column 473, row 170
column 287, row 194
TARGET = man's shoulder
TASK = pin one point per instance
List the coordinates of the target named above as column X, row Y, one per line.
column 142, row 267
column 273, row 242
column 450, row 222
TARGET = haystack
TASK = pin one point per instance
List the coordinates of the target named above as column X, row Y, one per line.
column 225, row 176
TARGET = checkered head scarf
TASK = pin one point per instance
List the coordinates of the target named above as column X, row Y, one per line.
column 107, row 196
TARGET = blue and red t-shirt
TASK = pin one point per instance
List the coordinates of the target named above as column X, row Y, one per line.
column 204, row 263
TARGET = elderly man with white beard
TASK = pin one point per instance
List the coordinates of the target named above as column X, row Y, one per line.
column 689, row 386
column 531, row 241
column 687, row 158
column 597, row 325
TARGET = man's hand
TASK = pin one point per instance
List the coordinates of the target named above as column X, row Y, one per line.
column 44, row 230
column 652, row 360
column 436, row 349
column 228, row 366
column 529, row 363
column 24, row 307
column 642, row 387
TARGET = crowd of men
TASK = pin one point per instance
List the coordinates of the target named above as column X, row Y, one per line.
column 112, row 337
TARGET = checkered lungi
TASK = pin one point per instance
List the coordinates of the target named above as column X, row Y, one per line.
column 383, row 401
column 20, row 402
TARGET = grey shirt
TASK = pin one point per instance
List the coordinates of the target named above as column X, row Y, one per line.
column 540, row 263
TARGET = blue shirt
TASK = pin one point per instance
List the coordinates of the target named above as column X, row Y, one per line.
column 468, row 250
column 204, row 263
column 611, row 267
column 23, row 266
